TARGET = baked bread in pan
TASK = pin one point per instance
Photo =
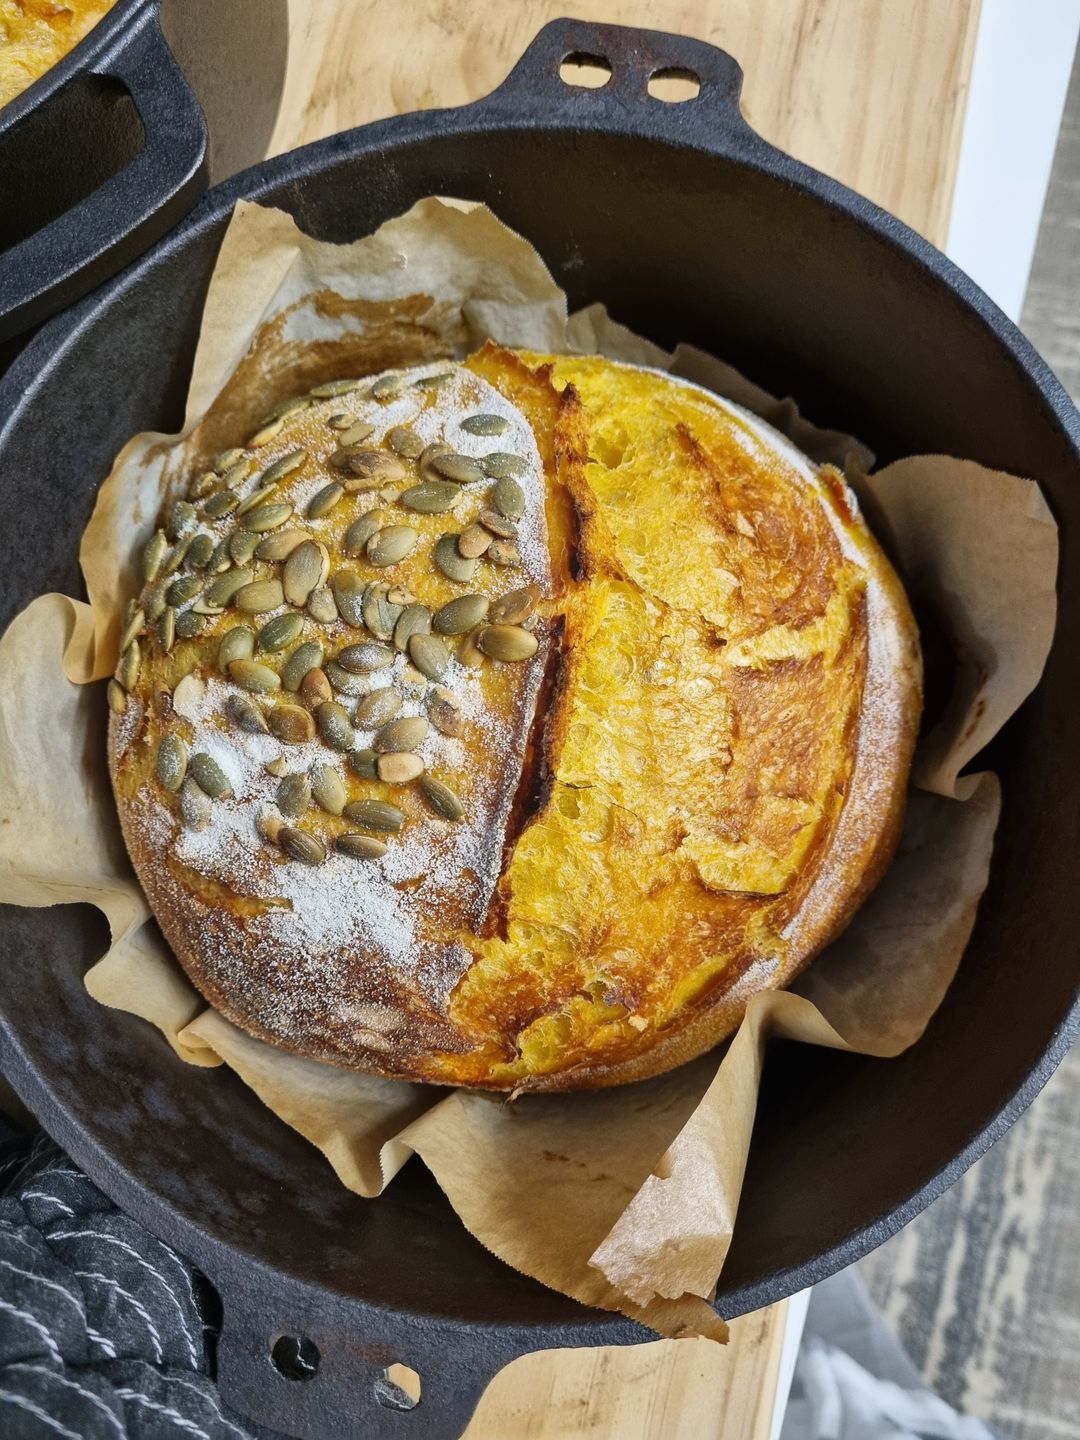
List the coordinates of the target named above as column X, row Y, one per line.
column 510, row 723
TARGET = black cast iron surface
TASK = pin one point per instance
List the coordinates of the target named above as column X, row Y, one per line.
column 110, row 148
column 689, row 227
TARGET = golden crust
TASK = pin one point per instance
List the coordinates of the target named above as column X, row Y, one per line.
column 37, row 34
column 675, row 803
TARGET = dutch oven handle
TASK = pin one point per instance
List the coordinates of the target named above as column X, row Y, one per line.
column 632, row 58
column 312, row 1364
column 93, row 239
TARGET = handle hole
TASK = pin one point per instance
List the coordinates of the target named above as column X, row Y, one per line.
column 295, row 1357
column 590, row 72
column 397, row 1388
column 674, row 85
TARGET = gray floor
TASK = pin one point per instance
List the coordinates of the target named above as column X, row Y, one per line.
column 984, row 1288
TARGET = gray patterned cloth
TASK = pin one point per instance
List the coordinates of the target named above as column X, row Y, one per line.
column 104, row 1331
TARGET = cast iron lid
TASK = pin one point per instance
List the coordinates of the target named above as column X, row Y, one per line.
column 689, row 227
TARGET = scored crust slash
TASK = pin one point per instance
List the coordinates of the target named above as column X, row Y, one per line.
column 510, row 723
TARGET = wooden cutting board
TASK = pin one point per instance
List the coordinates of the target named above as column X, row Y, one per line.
column 870, row 91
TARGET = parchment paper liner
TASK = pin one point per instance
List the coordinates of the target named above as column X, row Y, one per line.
column 625, row 1198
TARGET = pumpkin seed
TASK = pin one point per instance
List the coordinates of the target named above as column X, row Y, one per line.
column 285, row 409
column 154, row 554
column 285, row 466
column 348, row 590
column 280, row 545
column 195, row 806
column 377, row 707
column 133, row 629
column 515, row 606
column 321, row 606
column 224, row 587
column 188, row 694
column 429, row 655
column 176, row 556
column 335, row 727
column 342, row 681
column 238, row 473
column 356, row 433
column 266, row 433
column 380, row 615
column 172, row 761
column 280, row 632
column 485, row 424
column 378, row 815
column 190, row 623
column 259, row 596
column 508, row 498
column 167, row 629
column 360, row 847
column 405, row 441
column 498, row 524
column 368, row 468
column 473, row 541
column 277, row 767
column 209, row 776
column 504, row 552
column 268, row 825
column 324, row 500
column 201, row 486
column 461, row 468
column 432, row 382
column 399, row 768
column 183, row 588
column 267, row 517
column 451, row 562
column 301, row 662
column 441, row 798
column 223, row 503
column 362, row 529
column 305, row 570
column 469, row 654
column 257, row 497
column 363, row 762
column 155, row 601
column 331, row 389
column 499, row 465
column 315, row 687
column 247, row 715
column 445, row 713
column 507, row 642
column 387, row 387
column 341, row 421
column 391, row 545
column 301, row 846
column 293, row 795
column 219, row 560
column 430, row 497
column 130, row 665
column 413, row 620
column 457, row 616
column 291, row 724
column 200, row 550
column 236, row 644
column 227, row 459
column 117, row 699
column 406, row 733
column 398, row 596
column 328, row 789
column 365, row 658
column 252, row 675
column 428, row 456
column 242, row 546
column 181, row 518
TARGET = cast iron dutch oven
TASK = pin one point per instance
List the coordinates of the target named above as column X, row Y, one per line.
column 109, row 148
column 690, row 227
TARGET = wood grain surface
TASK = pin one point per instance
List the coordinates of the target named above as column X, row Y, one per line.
column 870, row 91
